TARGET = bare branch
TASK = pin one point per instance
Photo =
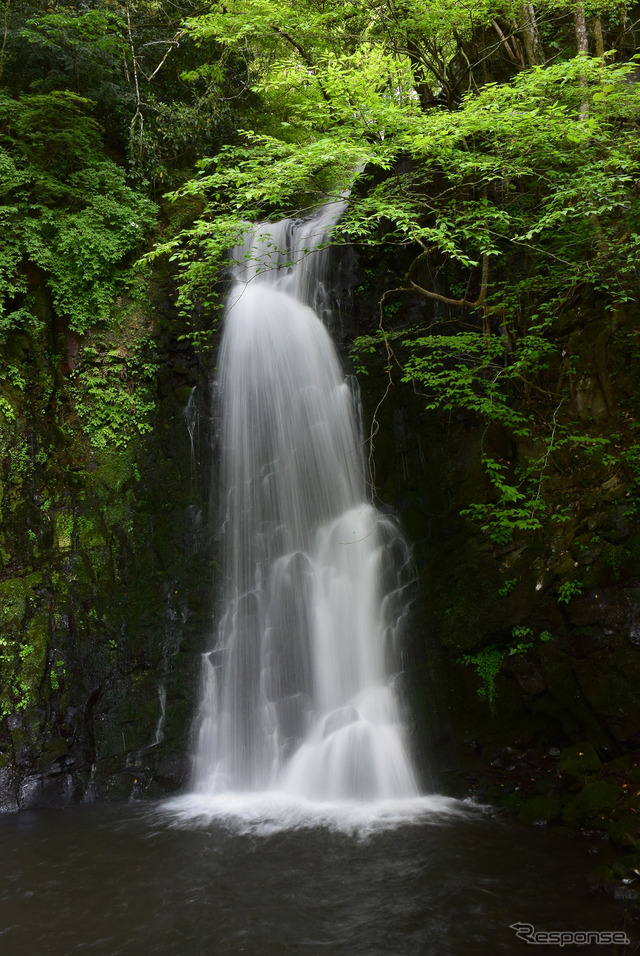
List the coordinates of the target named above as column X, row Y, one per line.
column 137, row 117
column 173, row 44
column 511, row 50
column 463, row 303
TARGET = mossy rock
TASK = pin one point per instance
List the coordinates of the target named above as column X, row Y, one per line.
column 63, row 530
column 541, row 810
column 463, row 603
column 14, row 593
column 625, row 831
column 55, row 749
column 578, row 760
column 33, row 653
column 592, row 805
column 626, row 763
column 626, row 867
column 631, row 803
column 564, row 703
column 612, row 691
column 129, row 715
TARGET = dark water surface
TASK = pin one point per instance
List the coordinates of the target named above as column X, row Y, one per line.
column 135, row 880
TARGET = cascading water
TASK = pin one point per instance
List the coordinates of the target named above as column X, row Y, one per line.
column 299, row 693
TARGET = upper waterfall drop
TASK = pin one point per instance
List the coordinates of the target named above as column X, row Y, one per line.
column 299, row 691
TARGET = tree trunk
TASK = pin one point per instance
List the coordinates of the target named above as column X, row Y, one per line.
column 598, row 37
column 530, row 35
column 582, row 44
column 4, row 35
column 582, row 41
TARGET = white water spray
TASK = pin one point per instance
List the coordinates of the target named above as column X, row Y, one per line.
column 299, row 693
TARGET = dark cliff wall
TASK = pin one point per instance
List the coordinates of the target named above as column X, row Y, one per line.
column 105, row 564
column 526, row 654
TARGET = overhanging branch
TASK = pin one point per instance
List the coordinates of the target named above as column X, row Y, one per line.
column 464, row 302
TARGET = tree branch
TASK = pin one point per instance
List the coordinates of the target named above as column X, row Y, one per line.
column 463, row 303
column 172, row 45
column 512, row 51
column 137, row 117
column 305, row 56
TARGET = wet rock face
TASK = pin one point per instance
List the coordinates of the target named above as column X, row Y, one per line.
column 533, row 644
column 105, row 577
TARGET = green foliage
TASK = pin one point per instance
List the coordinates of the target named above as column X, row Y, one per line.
column 89, row 42
column 568, row 590
column 487, row 663
column 513, row 207
column 515, row 508
column 65, row 210
column 615, row 556
column 53, row 133
column 93, row 245
column 545, row 176
column 520, row 632
column 113, row 389
column 129, row 59
column 57, row 672
column 473, row 371
column 489, row 660
column 6, row 408
column 23, row 638
column 631, row 459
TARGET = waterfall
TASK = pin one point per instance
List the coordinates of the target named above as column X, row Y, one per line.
column 299, row 693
